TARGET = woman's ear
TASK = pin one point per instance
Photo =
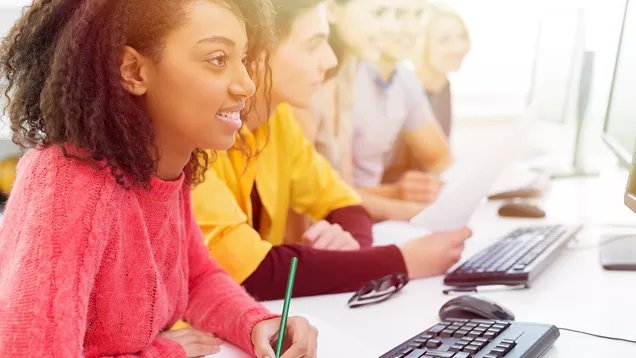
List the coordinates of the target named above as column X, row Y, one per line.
column 134, row 71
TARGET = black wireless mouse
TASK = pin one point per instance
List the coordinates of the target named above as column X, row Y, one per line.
column 471, row 307
column 518, row 209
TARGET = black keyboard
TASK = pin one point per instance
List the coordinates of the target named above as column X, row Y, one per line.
column 515, row 259
column 477, row 338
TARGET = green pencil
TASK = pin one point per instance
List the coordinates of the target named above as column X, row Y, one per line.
column 288, row 295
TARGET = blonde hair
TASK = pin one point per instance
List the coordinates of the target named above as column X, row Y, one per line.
column 432, row 13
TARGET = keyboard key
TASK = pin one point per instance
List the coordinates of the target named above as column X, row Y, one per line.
column 505, row 346
column 483, row 321
column 435, row 330
column 486, row 326
column 468, row 340
column 482, row 339
column 474, row 334
column 447, row 333
column 456, row 348
column 490, row 356
column 509, row 341
column 416, row 353
column 404, row 352
column 490, row 335
column 439, row 354
column 472, row 349
column 433, row 343
column 499, row 352
column 460, row 333
column 425, row 336
column 463, row 355
column 503, row 323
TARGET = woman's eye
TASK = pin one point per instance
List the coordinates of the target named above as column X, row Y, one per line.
column 219, row 60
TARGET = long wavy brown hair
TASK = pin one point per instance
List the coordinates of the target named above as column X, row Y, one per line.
column 60, row 67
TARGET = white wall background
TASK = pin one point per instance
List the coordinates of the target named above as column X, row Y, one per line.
column 497, row 73
column 504, row 33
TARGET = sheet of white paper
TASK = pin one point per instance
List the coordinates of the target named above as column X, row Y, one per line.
column 332, row 343
column 396, row 233
column 469, row 181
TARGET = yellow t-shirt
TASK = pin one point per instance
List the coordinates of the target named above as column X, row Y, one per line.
column 289, row 174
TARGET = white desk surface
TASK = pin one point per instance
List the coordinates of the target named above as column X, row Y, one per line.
column 574, row 292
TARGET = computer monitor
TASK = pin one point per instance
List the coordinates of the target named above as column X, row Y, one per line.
column 620, row 135
column 620, row 117
column 630, row 191
column 558, row 60
column 559, row 94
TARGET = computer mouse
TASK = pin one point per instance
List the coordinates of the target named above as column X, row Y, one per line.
column 472, row 307
column 520, row 209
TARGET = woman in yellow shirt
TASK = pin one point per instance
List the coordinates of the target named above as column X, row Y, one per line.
column 242, row 206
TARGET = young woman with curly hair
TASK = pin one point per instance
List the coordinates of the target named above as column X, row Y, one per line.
column 100, row 253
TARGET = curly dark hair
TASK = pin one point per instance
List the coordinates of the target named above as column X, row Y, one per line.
column 60, row 64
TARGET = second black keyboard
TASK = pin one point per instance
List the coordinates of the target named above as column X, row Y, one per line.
column 477, row 338
column 515, row 259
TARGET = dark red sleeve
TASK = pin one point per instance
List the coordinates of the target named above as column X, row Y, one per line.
column 356, row 221
column 321, row 272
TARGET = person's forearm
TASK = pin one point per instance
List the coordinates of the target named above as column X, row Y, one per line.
column 442, row 164
column 322, row 272
column 388, row 191
column 430, row 147
column 216, row 303
column 382, row 208
column 159, row 348
column 356, row 221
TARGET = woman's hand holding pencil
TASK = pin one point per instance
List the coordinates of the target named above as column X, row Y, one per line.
column 293, row 335
column 300, row 338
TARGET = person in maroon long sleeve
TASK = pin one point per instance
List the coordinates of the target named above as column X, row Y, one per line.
column 242, row 206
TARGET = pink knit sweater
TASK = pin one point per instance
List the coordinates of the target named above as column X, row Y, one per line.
column 90, row 269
